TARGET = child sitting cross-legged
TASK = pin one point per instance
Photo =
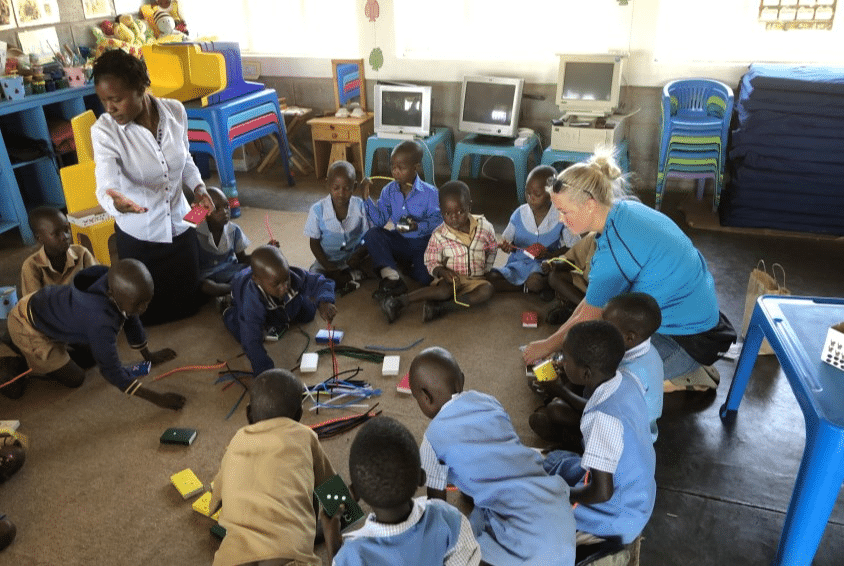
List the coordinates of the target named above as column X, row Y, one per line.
column 336, row 225
column 385, row 470
column 521, row 515
column 269, row 295
column 637, row 316
column 266, row 479
column 222, row 247
column 534, row 223
column 613, row 482
column 460, row 254
column 412, row 206
column 92, row 309
column 57, row 261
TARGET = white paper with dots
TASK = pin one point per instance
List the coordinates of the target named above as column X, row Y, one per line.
column 833, row 348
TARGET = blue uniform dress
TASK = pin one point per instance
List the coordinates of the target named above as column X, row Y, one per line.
column 218, row 261
column 523, row 232
column 422, row 204
column 253, row 311
column 617, row 440
column 339, row 239
column 522, row 515
column 434, row 534
column 644, row 363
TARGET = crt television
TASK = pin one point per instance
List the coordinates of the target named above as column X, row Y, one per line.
column 589, row 85
column 402, row 111
column 490, row 106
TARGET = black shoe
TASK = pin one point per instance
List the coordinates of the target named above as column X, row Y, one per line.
column 11, row 367
column 7, row 531
column 391, row 306
column 558, row 315
column 389, row 288
column 547, row 295
column 432, row 310
column 11, row 460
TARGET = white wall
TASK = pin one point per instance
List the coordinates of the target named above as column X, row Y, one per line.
column 666, row 39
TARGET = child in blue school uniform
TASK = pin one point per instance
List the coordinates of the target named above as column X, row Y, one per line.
column 385, row 471
column 270, row 295
column 535, row 222
column 222, row 247
column 521, row 515
column 637, row 317
column 413, row 207
column 336, row 225
column 613, row 482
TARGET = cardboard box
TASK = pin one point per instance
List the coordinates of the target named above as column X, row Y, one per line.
column 94, row 229
column 833, row 348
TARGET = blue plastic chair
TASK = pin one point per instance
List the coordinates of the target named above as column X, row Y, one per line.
column 519, row 154
column 694, row 112
column 440, row 135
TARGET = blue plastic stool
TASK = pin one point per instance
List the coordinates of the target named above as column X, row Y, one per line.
column 554, row 156
column 796, row 328
column 440, row 135
column 219, row 129
column 518, row 154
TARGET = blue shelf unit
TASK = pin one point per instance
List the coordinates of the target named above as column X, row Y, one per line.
column 33, row 183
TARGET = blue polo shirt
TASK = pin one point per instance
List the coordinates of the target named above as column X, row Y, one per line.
column 642, row 250
column 422, row 204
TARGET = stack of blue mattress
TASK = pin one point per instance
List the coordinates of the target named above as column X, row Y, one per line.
column 787, row 153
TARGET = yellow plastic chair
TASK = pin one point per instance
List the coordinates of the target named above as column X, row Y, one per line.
column 89, row 225
column 184, row 72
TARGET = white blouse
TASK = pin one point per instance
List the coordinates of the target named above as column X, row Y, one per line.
column 130, row 160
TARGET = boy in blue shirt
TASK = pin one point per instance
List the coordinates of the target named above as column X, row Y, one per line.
column 336, row 225
column 521, row 514
column 637, row 317
column 413, row 206
column 92, row 309
column 271, row 294
column 385, row 471
column 613, row 482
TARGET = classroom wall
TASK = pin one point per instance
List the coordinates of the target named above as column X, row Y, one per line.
column 72, row 28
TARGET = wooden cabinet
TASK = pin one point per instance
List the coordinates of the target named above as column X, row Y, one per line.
column 340, row 138
column 28, row 184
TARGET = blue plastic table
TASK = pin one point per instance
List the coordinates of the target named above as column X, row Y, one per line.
column 552, row 156
column 518, row 154
column 439, row 135
column 796, row 328
column 219, row 129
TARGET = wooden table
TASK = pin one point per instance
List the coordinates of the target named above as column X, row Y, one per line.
column 295, row 117
column 335, row 138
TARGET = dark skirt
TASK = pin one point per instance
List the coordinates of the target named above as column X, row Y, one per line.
column 175, row 272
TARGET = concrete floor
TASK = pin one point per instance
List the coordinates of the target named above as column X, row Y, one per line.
column 722, row 490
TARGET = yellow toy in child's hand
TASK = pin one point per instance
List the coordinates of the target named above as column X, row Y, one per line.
column 545, row 371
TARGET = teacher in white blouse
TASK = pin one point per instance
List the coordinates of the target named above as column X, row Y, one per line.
column 142, row 161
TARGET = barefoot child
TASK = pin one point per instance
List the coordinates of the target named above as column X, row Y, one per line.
column 385, row 471
column 271, row 294
column 459, row 255
column 91, row 310
column 336, row 225
column 521, row 515
column 267, row 477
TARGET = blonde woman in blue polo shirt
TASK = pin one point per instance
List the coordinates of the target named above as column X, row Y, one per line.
column 639, row 249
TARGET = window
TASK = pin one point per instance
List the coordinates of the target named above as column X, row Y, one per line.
column 508, row 31
column 296, row 28
column 797, row 14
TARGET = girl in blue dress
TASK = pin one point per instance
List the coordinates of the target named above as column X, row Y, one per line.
column 536, row 222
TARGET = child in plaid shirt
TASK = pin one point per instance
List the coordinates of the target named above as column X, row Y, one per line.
column 460, row 253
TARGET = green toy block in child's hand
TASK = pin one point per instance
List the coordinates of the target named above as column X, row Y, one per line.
column 334, row 492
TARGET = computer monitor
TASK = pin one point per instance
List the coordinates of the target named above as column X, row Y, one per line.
column 490, row 106
column 402, row 111
column 589, row 85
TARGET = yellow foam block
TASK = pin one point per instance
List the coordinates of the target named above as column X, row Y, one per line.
column 186, row 483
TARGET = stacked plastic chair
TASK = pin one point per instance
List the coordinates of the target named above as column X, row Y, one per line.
column 695, row 123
